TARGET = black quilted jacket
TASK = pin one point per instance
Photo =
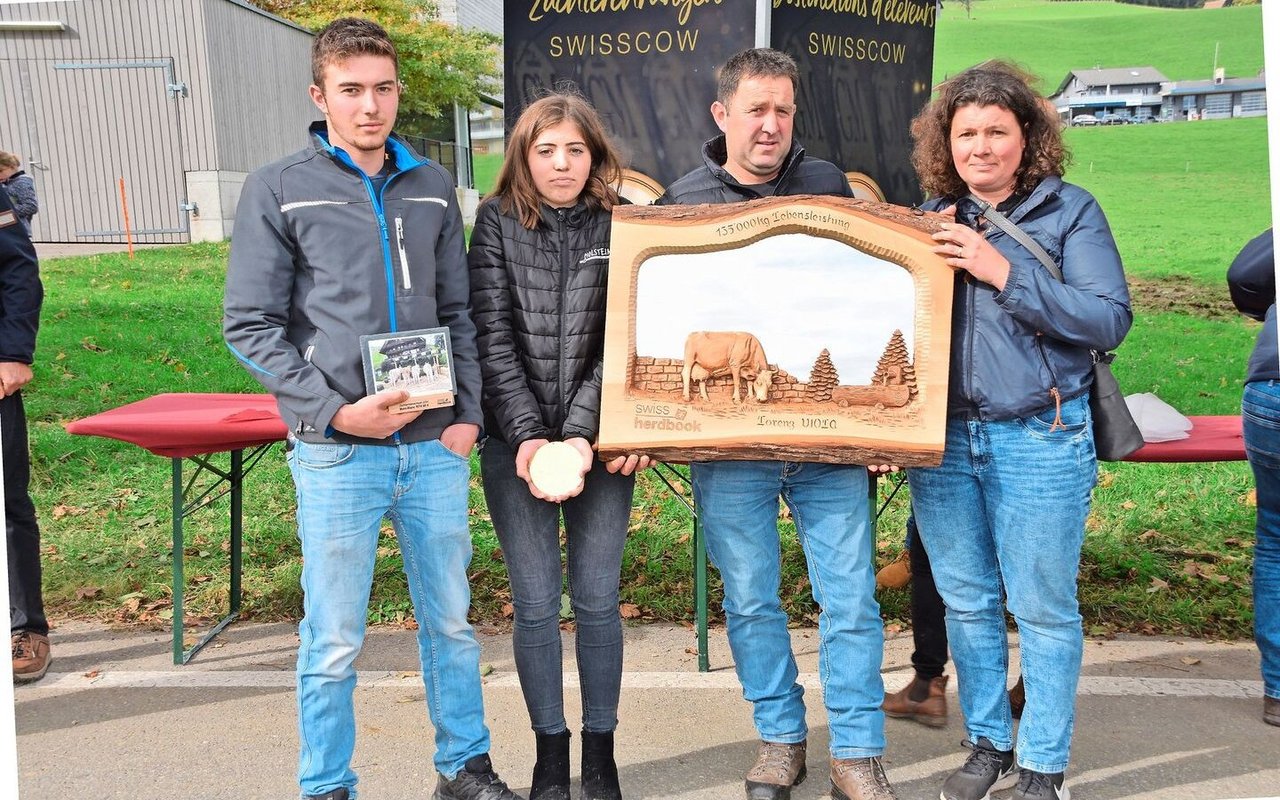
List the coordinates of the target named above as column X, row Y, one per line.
column 538, row 298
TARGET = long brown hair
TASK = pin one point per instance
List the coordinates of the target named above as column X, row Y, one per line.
column 515, row 190
column 992, row 83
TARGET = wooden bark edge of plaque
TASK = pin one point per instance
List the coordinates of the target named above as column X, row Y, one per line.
column 901, row 236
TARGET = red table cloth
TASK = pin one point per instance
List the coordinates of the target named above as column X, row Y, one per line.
column 188, row 424
column 1212, row 439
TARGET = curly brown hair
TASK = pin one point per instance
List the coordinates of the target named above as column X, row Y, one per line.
column 992, row 83
column 515, row 190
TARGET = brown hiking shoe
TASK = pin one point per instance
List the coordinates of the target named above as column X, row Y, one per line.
column 895, row 574
column 859, row 779
column 1271, row 711
column 931, row 711
column 1017, row 699
column 31, row 656
column 778, row 767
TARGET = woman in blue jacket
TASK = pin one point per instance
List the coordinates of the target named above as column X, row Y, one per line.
column 1003, row 516
column 539, row 269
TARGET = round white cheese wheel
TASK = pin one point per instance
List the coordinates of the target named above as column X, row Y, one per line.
column 556, row 469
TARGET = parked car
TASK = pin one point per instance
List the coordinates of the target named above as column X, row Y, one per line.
column 1084, row 119
column 1113, row 119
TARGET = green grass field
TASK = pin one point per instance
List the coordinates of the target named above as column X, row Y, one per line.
column 1053, row 38
column 1168, row 547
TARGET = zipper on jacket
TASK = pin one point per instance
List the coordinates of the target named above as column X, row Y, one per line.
column 404, row 258
column 564, row 288
column 1053, row 387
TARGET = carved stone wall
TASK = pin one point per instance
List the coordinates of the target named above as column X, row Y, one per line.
column 666, row 375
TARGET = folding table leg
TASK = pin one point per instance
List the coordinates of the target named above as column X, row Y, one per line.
column 235, row 478
column 179, row 657
column 700, row 592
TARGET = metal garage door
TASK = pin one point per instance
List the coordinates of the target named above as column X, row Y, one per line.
column 92, row 123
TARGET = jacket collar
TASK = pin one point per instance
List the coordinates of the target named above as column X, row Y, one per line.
column 715, row 154
column 573, row 217
column 1047, row 189
column 401, row 153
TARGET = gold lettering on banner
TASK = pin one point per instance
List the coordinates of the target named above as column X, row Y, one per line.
column 541, row 8
column 856, row 48
column 623, row 43
column 902, row 12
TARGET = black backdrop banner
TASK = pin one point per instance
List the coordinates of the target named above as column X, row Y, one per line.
column 648, row 66
column 865, row 71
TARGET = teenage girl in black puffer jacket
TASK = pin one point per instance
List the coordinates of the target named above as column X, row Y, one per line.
column 539, row 268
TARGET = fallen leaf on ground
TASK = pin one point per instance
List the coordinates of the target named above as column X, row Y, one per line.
column 1189, row 661
column 629, row 611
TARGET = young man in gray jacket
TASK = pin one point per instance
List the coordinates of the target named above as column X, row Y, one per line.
column 358, row 235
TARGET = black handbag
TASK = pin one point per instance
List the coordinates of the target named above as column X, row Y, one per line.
column 1115, row 434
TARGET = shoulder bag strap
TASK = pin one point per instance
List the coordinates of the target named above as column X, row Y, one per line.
column 1018, row 235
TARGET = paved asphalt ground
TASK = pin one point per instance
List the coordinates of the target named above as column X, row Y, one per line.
column 1158, row 718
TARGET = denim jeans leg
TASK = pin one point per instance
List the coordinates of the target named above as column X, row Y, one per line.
column 737, row 504
column 529, row 531
column 430, row 518
column 595, row 532
column 830, row 507
column 947, row 502
column 1039, row 485
column 1261, row 413
column 343, row 491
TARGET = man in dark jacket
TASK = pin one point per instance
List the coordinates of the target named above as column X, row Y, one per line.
column 357, row 235
column 20, row 296
column 738, row 500
column 1252, row 280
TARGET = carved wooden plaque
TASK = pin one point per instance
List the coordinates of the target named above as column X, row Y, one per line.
column 803, row 328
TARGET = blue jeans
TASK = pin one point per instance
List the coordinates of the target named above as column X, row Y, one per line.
column 1261, row 414
column 1006, row 508
column 595, row 524
column 738, row 505
column 344, row 491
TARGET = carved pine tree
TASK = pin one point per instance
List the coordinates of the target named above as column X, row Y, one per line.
column 894, row 367
column 823, row 379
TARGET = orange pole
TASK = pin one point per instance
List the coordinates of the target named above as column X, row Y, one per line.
column 124, row 208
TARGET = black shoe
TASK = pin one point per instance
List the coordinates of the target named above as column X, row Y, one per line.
column 599, row 770
column 476, row 781
column 986, row 768
column 340, row 793
column 551, row 771
column 1034, row 785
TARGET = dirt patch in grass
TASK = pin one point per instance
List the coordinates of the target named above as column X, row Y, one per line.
column 1181, row 294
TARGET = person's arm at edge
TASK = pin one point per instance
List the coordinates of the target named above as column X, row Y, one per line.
column 21, row 295
column 1251, row 278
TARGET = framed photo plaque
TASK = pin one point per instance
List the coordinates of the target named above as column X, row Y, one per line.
column 420, row 362
column 803, row 328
